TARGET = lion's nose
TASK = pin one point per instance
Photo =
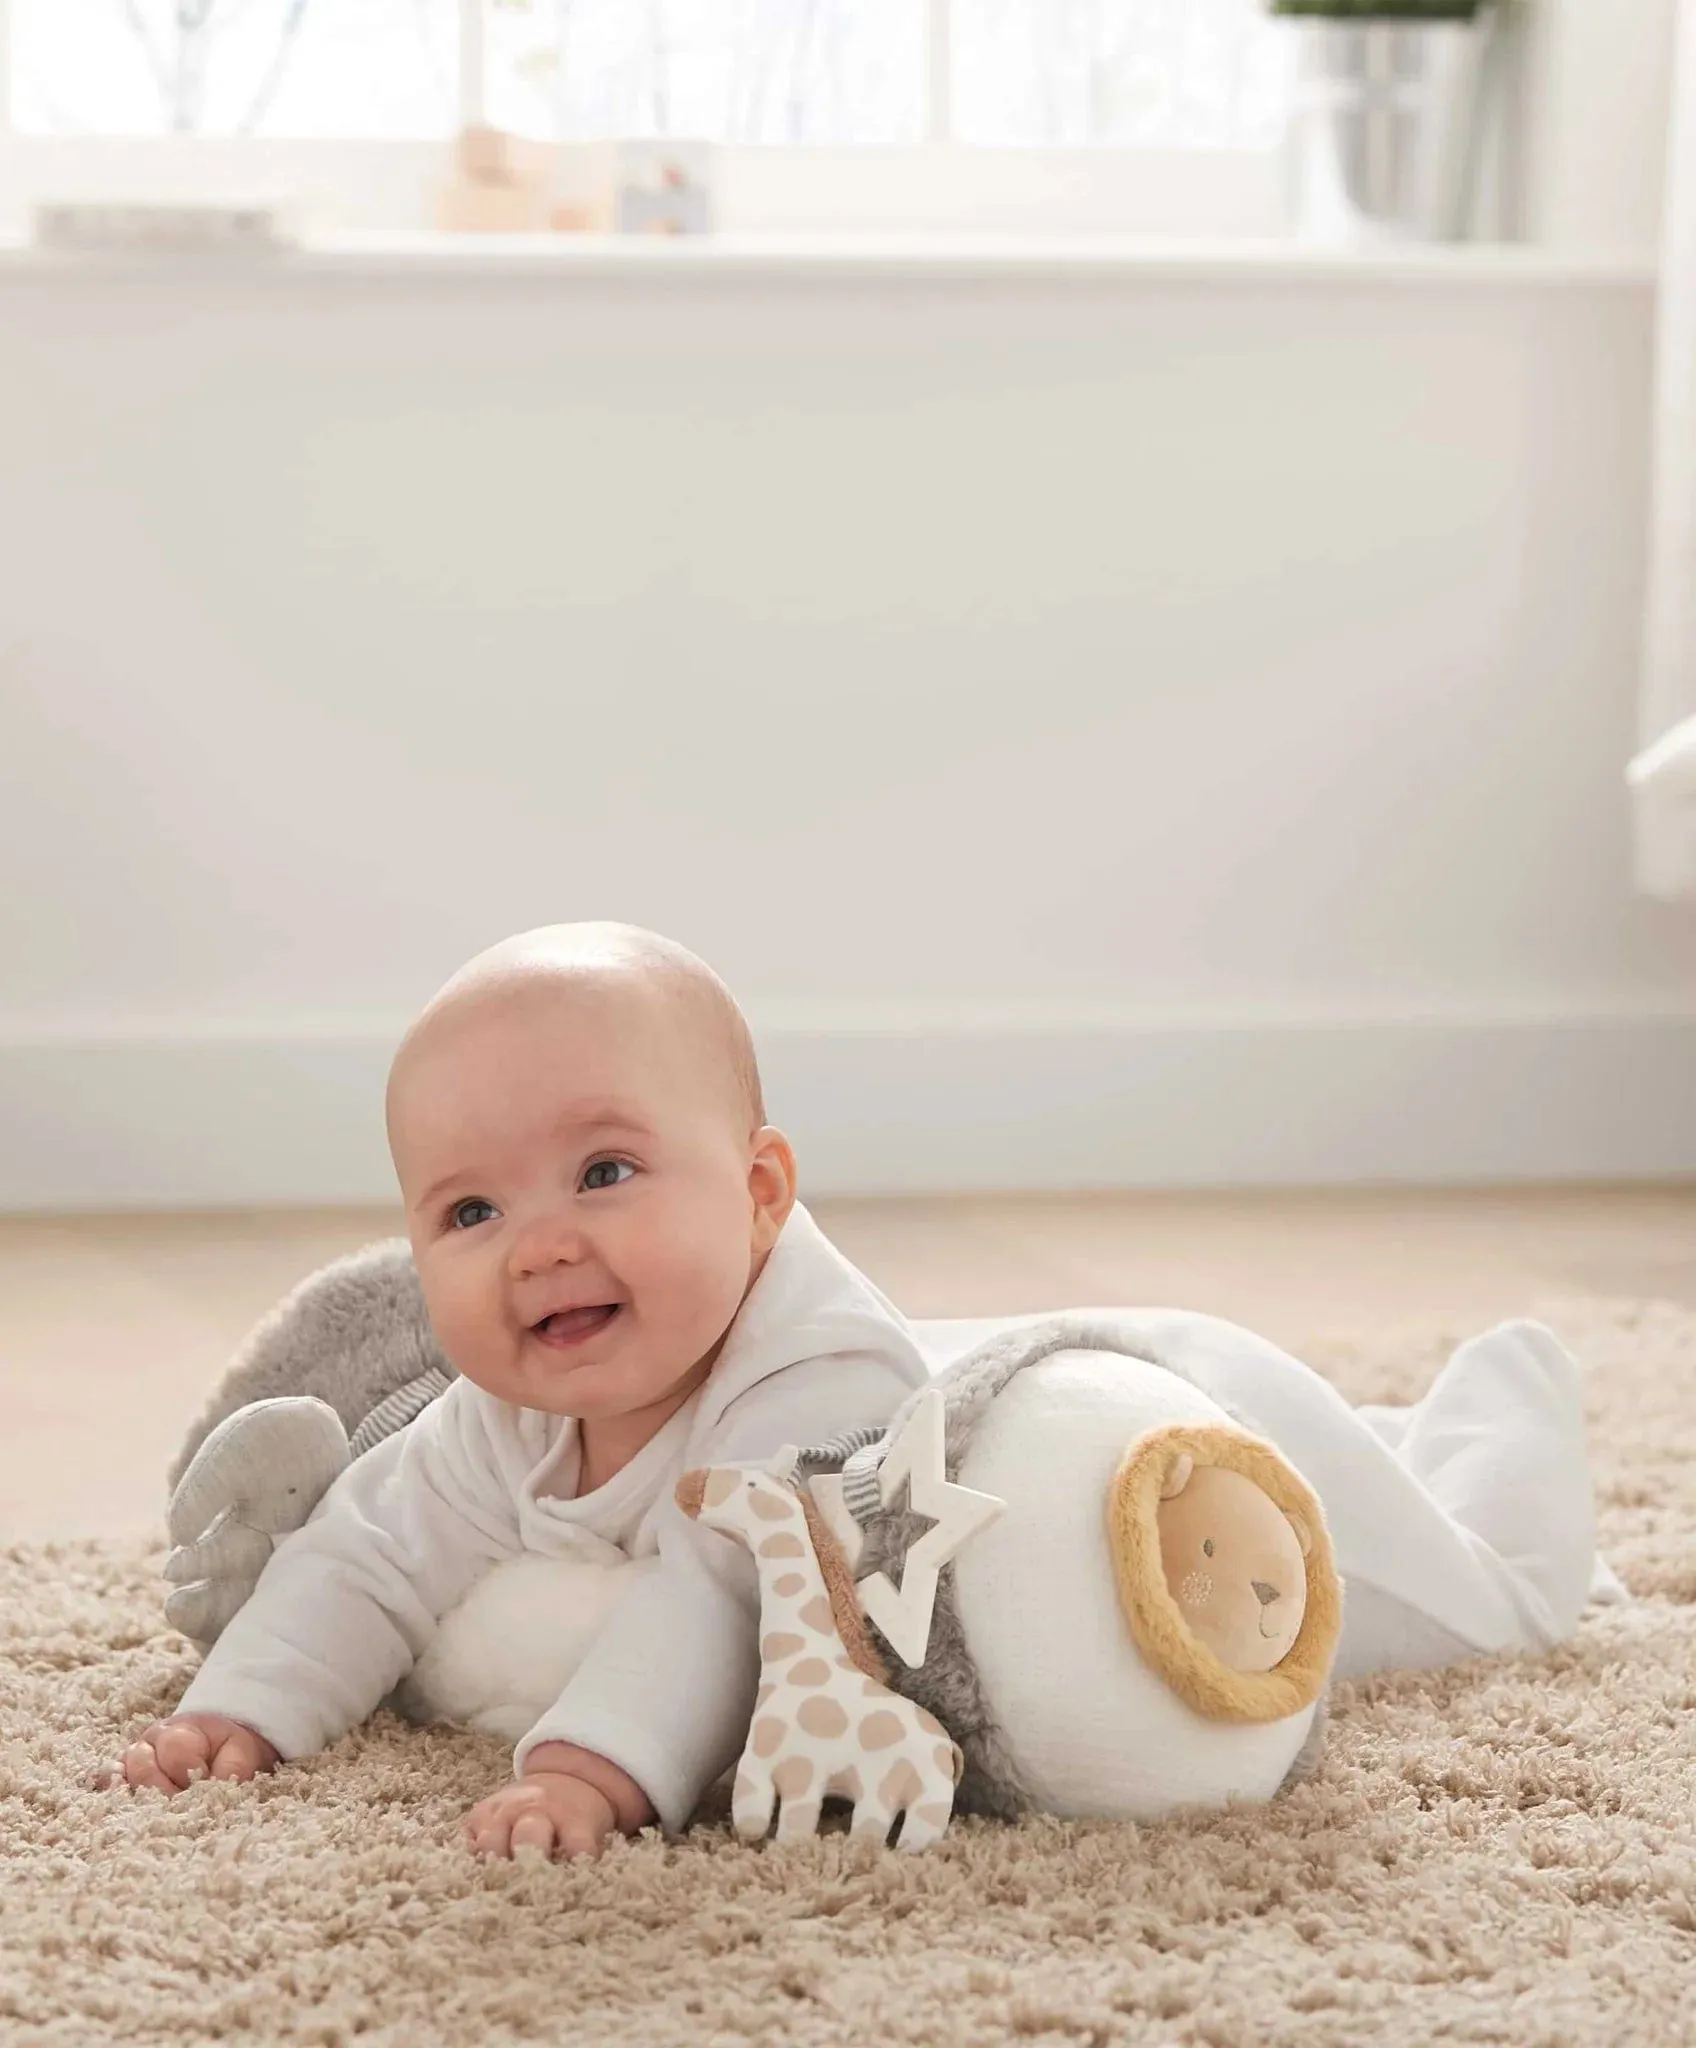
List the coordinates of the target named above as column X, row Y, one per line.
column 1264, row 1593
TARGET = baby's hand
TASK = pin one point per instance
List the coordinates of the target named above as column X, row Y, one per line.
column 568, row 1802
column 559, row 1815
column 174, row 1752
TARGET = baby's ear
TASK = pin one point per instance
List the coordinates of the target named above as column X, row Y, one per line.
column 1177, row 1476
column 1304, row 1535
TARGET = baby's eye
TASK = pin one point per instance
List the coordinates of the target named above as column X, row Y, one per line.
column 606, row 1173
column 1207, row 1547
column 459, row 1208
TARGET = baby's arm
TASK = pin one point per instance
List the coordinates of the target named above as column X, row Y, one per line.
column 665, row 1694
column 347, row 1601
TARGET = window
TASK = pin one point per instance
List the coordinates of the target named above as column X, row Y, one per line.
column 344, row 68
column 1176, row 103
column 737, row 71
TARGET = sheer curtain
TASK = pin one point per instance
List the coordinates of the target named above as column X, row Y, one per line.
column 1663, row 775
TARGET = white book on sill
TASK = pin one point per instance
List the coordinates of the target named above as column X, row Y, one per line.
column 176, row 227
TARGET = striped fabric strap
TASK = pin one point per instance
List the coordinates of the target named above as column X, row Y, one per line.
column 396, row 1410
column 862, row 1490
column 853, row 1453
column 856, row 1454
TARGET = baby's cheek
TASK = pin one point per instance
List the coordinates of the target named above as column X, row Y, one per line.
column 465, row 1327
column 694, row 1281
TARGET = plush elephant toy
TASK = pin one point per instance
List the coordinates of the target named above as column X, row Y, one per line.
column 1114, row 1597
column 343, row 1359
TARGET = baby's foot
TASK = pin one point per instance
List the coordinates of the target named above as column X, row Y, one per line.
column 259, row 1474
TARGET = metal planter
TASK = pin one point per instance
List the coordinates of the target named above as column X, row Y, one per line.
column 1385, row 128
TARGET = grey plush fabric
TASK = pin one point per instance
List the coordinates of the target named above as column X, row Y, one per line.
column 352, row 1333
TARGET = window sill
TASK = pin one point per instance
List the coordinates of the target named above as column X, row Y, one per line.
column 883, row 258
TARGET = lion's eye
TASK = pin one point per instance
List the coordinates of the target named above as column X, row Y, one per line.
column 1207, row 1547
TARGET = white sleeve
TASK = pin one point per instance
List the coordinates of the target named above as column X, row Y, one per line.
column 346, row 1602
column 667, row 1689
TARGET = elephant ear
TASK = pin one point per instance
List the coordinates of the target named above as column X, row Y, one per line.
column 353, row 1334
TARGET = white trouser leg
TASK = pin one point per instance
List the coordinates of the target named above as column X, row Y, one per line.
column 1461, row 1525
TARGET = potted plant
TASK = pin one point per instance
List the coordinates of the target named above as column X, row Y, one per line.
column 1386, row 117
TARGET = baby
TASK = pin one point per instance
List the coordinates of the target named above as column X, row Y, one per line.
column 607, row 1235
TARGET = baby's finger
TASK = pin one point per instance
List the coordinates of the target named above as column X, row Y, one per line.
column 532, row 1830
column 486, row 1830
column 238, row 1757
column 578, row 1836
column 140, row 1768
column 181, row 1750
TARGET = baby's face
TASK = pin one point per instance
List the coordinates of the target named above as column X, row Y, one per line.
column 583, row 1199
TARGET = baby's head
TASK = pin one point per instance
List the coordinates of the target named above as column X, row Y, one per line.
column 577, row 1125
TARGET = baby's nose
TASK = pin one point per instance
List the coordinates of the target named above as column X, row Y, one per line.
column 546, row 1241
column 1264, row 1593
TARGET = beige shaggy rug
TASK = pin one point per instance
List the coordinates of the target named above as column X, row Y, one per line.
column 1502, row 1853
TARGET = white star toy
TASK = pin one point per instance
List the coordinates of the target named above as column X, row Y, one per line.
column 917, row 1456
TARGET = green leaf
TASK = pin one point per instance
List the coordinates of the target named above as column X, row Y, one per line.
column 1381, row 10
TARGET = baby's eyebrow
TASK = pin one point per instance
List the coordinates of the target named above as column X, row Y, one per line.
column 605, row 1116
column 585, row 1120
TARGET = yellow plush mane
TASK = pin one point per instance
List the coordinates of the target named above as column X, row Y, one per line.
column 1162, row 1635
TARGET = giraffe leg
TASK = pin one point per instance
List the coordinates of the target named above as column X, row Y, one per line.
column 798, row 1819
column 872, row 1819
column 752, row 1800
column 925, row 1820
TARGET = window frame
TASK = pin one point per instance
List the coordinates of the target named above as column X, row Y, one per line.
column 938, row 187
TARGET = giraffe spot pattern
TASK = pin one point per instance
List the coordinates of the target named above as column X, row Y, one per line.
column 777, row 1644
column 767, row 1735
column 817, row 1615
column 772, row 1507
column 948, row 1762
column 822, row 1716
column 765, row 1692
column 792, row 1777
column 934, row 1812
column 878, row 1731
column 783, row 1545
column 902, row 1785
column 845, row 1783
column 929, row 1723
column 789, row 1585
column 810, row 1671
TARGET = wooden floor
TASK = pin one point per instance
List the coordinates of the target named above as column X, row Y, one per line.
column 113, row 1327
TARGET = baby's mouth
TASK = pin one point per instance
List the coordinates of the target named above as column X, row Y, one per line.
column 574, row 1325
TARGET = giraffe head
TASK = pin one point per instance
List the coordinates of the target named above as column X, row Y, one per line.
column 742, row 1500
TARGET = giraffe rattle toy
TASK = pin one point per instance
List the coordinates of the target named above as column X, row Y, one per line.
column 825, row 1723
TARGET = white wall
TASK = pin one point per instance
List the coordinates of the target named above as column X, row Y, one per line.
column 1594, row 83
column 1109, row 727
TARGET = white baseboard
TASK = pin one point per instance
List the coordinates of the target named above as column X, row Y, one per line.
column 208, row 1121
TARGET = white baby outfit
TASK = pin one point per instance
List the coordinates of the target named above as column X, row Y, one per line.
column 348, row 1602
column 1461, row 1525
